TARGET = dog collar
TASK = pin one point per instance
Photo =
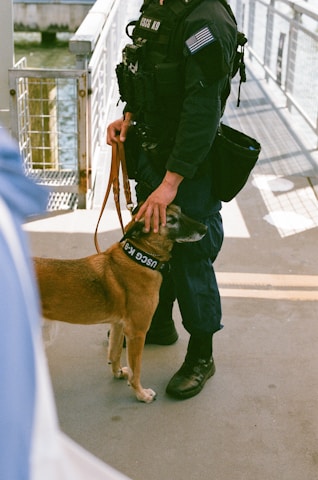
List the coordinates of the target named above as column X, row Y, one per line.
column 143, row 258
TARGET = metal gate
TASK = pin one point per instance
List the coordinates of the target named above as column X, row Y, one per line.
column 48, row 112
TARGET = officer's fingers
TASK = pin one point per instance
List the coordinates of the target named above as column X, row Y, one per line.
column 163, row 215
column 156, row 219
column 110, row 134
column 140, row 212
column 124, row 129
column 148, row 218
column 112, row 131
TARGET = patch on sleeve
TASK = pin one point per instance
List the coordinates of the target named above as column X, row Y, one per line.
column 200, row 40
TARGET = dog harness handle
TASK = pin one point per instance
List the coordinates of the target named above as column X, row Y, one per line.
column 118, row 160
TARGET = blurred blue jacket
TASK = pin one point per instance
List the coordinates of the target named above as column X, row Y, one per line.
column 19, row 312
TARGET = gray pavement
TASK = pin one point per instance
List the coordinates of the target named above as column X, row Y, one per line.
column 256, row 419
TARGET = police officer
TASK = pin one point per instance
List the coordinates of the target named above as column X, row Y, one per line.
column 175, row 79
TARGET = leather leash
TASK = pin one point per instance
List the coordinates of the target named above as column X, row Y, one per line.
column 118, row 160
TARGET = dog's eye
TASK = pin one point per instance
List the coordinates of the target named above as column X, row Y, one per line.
column 172, row 220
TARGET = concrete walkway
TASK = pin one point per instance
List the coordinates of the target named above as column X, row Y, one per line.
column 256, row 419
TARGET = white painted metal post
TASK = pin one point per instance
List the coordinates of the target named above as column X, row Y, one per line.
column 7, row 58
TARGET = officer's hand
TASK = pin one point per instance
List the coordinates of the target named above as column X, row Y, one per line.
column 119, row 127
column 154, row 208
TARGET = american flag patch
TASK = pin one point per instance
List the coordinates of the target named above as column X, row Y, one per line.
column 199, row 40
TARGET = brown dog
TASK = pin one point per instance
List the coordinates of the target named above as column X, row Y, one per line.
column 119, row 286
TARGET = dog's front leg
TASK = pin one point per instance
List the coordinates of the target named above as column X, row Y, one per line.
column 116, row 339
column 135, row 345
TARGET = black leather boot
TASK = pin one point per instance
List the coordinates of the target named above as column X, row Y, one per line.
column 167, row 335
column 162, row 330
column 197, row 368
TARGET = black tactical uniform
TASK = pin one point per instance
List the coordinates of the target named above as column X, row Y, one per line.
column 175, row 79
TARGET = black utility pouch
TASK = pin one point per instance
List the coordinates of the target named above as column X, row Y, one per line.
column 125, row 85
column 132, row 151
column 120, row 79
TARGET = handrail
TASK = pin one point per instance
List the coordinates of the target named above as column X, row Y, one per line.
column 283, row 39
column 97, row 45
column 83, row 42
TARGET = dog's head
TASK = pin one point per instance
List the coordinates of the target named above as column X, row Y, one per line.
column 182, row 228
column 179, row 228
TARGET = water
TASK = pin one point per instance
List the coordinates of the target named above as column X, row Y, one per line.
column 56, row 55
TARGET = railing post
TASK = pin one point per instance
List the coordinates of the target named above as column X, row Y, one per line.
column 251, row 23
column 269, row 36
column 291, row 55
column 87, row 39
column 7, row 55
column 83, row 168
column 239, row 12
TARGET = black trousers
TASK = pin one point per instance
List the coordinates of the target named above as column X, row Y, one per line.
column 192, row 279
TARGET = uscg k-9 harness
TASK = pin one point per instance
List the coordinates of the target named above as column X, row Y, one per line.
column 150, row 76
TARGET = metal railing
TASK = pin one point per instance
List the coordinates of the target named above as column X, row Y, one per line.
column 59, row 116
column 97, row 46
column 48, row 110
column 283, row 38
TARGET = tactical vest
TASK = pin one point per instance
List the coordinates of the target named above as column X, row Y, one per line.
column 151, row 72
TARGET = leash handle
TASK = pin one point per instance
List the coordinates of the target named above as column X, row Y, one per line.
column 118, row 159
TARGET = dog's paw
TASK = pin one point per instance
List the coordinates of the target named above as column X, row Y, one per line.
column 121, row 373
column 146, row 395
column 125, row 372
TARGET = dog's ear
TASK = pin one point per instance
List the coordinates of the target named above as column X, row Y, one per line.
column 136, row 230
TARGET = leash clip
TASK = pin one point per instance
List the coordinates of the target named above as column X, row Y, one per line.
column 130, row 207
